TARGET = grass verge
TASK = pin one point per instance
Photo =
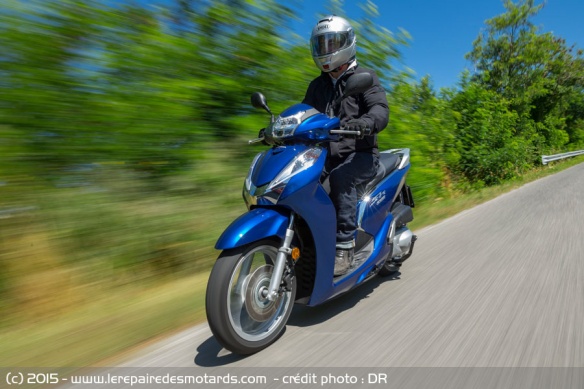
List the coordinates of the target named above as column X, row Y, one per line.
column 106, row 327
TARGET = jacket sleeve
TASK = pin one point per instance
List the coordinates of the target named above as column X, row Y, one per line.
column 377, row 108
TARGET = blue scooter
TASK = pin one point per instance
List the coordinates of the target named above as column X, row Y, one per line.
column 282, row 250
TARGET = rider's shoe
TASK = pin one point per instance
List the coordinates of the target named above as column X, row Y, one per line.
column 343, row 261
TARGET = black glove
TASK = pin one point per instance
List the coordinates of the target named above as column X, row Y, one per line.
column 358, row 125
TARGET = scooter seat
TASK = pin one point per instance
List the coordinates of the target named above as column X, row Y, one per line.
column 388, row 162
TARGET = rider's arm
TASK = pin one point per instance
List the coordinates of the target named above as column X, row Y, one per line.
column 377, row 114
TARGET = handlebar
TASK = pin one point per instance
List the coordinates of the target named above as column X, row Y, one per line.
column 334, row 132
column 256, row 140
column 345, row 132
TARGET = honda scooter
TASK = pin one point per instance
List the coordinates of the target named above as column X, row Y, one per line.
column 282, row 251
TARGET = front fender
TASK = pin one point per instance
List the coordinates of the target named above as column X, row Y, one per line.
column 259, row 223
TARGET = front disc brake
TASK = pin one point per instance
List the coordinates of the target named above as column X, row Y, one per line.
column 257, row 305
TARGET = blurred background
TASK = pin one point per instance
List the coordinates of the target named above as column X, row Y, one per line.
column 123, row 146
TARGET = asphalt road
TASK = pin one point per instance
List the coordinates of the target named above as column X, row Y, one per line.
column 499, row 285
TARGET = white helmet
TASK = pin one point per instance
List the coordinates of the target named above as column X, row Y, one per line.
column 333, row 43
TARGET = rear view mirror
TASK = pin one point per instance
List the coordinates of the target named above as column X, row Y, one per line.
column 259, row 101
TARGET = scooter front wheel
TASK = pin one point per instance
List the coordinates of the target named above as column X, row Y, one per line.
column 240, row 316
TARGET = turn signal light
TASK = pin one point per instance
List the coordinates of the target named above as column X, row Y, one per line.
column 295, row 253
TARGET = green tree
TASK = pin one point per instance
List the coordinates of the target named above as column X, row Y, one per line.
column 45, row 100
column 87, row 82
column 488, row 147
column 536, row 72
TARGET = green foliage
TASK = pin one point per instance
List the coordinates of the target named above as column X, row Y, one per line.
column 421, row 121
column 490, row 150
column 522, row 102
column 535, row 72
column 85, row 82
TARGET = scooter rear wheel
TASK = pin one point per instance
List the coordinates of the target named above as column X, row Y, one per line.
column 389, row 269
column 241, row 318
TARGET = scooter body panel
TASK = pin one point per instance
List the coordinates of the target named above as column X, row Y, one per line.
column 257, row 224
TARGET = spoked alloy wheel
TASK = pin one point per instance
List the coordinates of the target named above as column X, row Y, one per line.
column 240, row 316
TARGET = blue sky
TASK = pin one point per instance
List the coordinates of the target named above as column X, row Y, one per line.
column 443, row 31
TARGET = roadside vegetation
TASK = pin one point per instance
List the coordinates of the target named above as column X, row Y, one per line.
column 123, row 149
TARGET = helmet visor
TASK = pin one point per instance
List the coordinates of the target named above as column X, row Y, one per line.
column 328, row 43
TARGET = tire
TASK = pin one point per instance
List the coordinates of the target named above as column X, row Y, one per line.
column 241, row 319
column 389, row 269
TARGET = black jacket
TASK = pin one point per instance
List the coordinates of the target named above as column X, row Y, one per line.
column 370, row 105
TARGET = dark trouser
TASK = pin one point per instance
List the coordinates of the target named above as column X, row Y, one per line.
column 344, row 176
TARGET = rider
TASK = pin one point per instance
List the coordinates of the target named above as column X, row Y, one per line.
column 354, row 159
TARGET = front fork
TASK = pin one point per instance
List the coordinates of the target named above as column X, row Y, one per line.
column 280, row 265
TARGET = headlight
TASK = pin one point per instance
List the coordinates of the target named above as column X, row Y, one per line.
column 299, row 164
column 285, row 126
column 249, row 174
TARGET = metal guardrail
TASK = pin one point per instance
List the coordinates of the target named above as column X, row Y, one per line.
column 545, row 159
